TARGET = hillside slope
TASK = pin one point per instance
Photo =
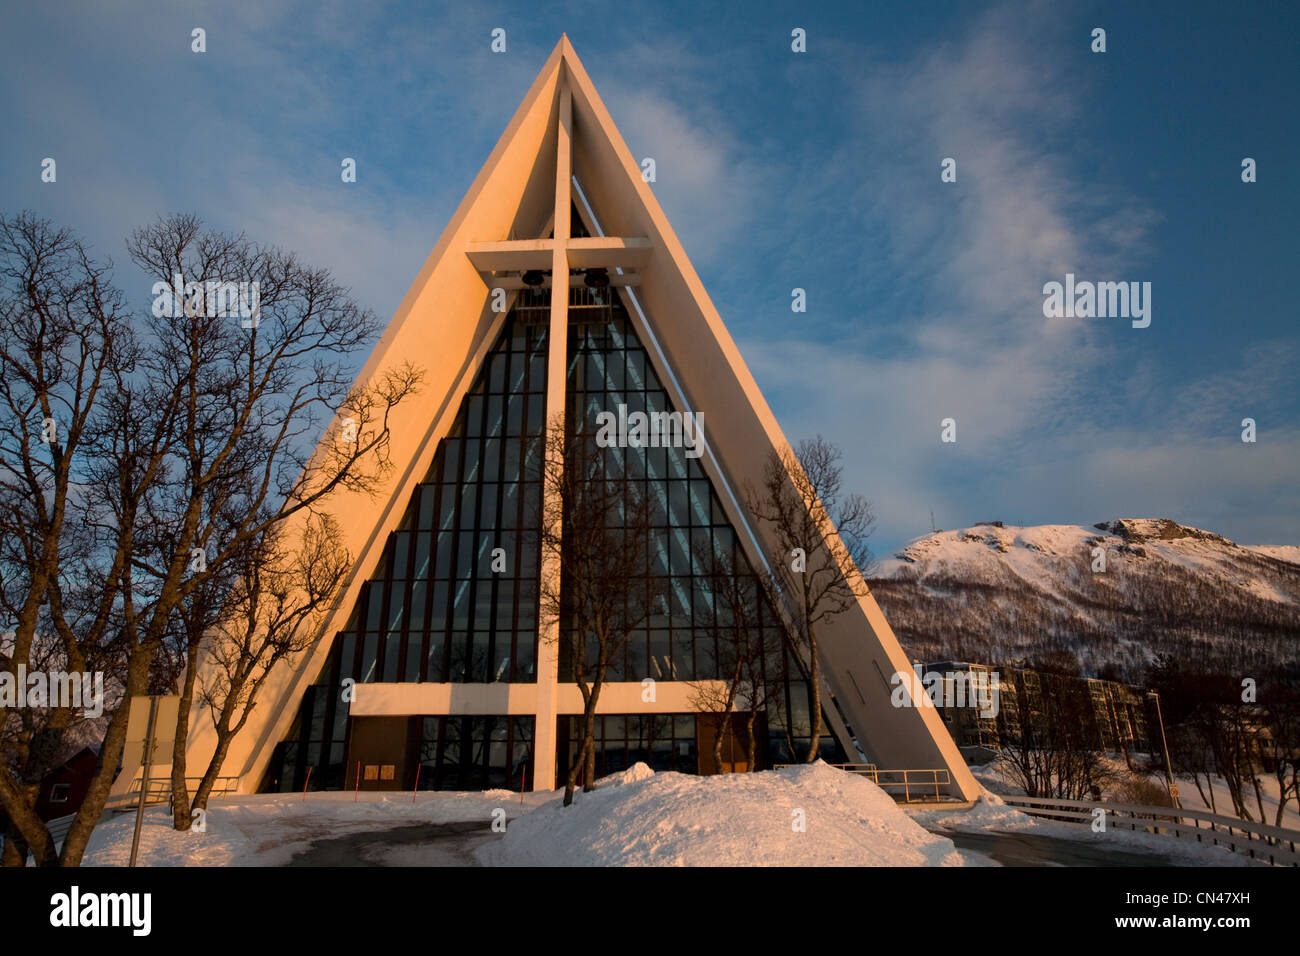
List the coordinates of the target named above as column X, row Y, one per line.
column 995, row 594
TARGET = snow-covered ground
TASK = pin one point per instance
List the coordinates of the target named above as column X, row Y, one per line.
column 1283, row 552
column 798, row 816
column 269, row 829
column 1190, row 798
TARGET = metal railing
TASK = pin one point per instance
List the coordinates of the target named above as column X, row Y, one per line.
column 909, row 780
column 160, row 791
column 1260, row 841
column 912, row 786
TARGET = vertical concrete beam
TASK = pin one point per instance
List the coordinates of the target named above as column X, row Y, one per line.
column 548, row 644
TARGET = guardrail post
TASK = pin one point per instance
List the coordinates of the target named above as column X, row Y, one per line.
column 144, row 779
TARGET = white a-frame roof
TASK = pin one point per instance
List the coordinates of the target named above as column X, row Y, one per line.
column 515, row 217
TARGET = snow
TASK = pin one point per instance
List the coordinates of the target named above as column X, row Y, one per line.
column 635, row 818
column 643, row 818
column 1010, row 592
column 269, row 829
column 1190, row 798
column 988, row 813
column 992, row 555
column 1283, row 552
column 987, row 554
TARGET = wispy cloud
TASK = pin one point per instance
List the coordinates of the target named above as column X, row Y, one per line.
column 705, row 179
column 775, row 170
column 973, row 343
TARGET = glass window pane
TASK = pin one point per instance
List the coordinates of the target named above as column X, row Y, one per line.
column 461, row 599
column 419, row 596
column 414, row 659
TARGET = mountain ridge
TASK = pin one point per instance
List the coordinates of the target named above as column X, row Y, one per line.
column 997, row 593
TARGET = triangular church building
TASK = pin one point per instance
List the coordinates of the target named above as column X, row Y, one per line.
column 557, row 286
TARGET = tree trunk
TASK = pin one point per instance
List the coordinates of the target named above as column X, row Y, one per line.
column 210, row 776
column 728, row 705
column 225, row 737
column 571, row 781
column 752, row 740
column 1208, row 801
column 580, row 758
column 21, row 807
column 15, row 852
column 74, row 846
column 814, row 696
column 718, row 731
column 589, row 727
column 180, row 791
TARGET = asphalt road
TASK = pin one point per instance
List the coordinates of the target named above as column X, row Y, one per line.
column 435, row 844
column 1024, row 849
column 453, row 844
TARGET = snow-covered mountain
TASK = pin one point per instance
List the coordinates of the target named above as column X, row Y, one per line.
column 996, row 594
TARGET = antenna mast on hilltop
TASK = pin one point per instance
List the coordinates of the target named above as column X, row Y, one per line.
column 931, row 521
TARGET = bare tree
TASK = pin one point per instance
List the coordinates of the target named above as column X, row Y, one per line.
column 64, row 336
column 1183, row 686
column 272, row 615
column 1190, row 753
column 180, row 441
column 820, row 530
column 1054, row 751
column 1232, row 728
column 251, row 397
column 594, row 527
column 747, row 642
column 1214, row 735
column 1284, row 744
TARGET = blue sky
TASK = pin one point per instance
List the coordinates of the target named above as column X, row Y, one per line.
column 777, row 170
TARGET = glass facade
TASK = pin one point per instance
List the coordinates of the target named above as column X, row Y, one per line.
column 687, row 634
column 454, row 598
column 476, row 753
column 317, row 740
column 609, row 371
column 663, row 741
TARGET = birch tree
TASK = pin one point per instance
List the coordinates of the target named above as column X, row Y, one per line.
column 820, row 529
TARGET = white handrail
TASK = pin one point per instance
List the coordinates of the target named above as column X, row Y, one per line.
column 1278, row 844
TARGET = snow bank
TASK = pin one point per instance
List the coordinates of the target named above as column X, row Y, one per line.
column 989, row 812
column 643, row 818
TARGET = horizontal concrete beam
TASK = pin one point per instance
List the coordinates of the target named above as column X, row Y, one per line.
column 621, row 697
column 608, row 251
column 516, row 255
